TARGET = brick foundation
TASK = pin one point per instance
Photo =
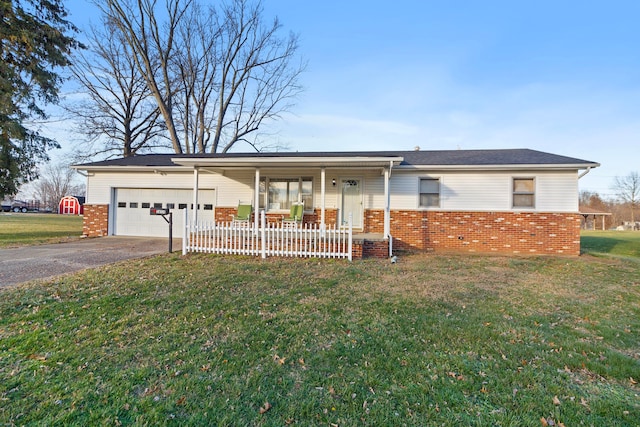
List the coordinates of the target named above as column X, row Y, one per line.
column 95, row 220
column 375, row 249
column 485, row 232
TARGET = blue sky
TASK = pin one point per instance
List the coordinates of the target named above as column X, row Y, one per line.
column 556, row 76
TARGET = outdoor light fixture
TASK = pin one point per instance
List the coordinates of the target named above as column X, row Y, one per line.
column 333, row 182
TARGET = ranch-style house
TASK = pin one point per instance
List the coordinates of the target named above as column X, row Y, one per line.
column 510, row 201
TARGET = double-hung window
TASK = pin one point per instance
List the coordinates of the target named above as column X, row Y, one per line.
column 524, row 194
column 281, row 193
column 429, row 192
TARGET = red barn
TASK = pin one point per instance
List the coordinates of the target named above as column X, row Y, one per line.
column 70, row 205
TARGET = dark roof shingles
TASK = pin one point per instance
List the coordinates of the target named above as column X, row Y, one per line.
column 417, row 158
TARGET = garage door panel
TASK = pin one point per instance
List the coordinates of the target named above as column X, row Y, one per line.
column 132, row 216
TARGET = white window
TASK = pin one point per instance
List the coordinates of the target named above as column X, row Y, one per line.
column 429, row 192
column 524, row 195
column 281, row 193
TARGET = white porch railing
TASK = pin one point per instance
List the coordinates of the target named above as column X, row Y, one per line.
column 305, row 240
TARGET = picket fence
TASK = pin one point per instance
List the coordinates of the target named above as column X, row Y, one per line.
column 268, row 239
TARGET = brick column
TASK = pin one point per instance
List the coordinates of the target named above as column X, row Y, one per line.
column 95, row 220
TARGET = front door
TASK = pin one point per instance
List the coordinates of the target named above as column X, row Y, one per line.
column 352, row 202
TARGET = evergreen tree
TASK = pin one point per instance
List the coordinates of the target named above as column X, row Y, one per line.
column 36, row 40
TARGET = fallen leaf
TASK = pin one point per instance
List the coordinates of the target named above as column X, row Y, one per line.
column 632, row 381
column 37, row 357
column 181, row 401
column 584, row 403
column 279, row 360
column 264, row 408
column 556, row 401
column 543, row 421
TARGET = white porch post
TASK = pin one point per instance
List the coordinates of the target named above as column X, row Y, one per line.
column 195, row 194
column 256, row 199
column 387, row 201
column 322, row 197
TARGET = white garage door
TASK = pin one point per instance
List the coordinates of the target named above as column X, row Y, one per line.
column 132, row 216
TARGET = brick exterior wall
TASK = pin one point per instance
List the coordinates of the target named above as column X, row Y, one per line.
column 374, row 221
column 484, row 232
column 524, row 233
column 224, row 214
column 95, row 220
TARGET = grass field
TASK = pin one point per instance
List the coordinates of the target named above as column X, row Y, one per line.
column 431, row 340
column 19, row 229
column 614, row 243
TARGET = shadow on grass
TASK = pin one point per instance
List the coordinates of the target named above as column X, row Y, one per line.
column 610, row 246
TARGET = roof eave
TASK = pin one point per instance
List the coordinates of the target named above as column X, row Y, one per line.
column 568, row 166
column 118, row 168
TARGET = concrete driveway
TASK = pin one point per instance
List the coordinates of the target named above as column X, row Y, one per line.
column 28, row 263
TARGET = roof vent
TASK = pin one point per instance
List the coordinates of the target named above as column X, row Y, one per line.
column 416, row 148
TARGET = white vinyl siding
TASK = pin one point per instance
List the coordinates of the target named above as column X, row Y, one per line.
column 487, row 191
column 556, row 191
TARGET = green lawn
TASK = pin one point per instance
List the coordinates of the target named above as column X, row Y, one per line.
column 19, row 229
column 616, row 243
column 431, row 340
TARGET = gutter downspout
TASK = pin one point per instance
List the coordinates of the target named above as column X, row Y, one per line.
column 585, row 172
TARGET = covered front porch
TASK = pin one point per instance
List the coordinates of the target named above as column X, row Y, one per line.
column 336, row 193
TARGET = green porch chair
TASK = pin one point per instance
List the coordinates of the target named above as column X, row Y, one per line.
column 296, row 215
column 244, row 213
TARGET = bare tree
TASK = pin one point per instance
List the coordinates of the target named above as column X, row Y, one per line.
column 627, row 189
column 55, row 182
column 257, row 80
column 196, row 65
column 120, row 117
column 216, row 74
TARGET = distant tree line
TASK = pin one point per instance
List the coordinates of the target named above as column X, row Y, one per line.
column 623, row 206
